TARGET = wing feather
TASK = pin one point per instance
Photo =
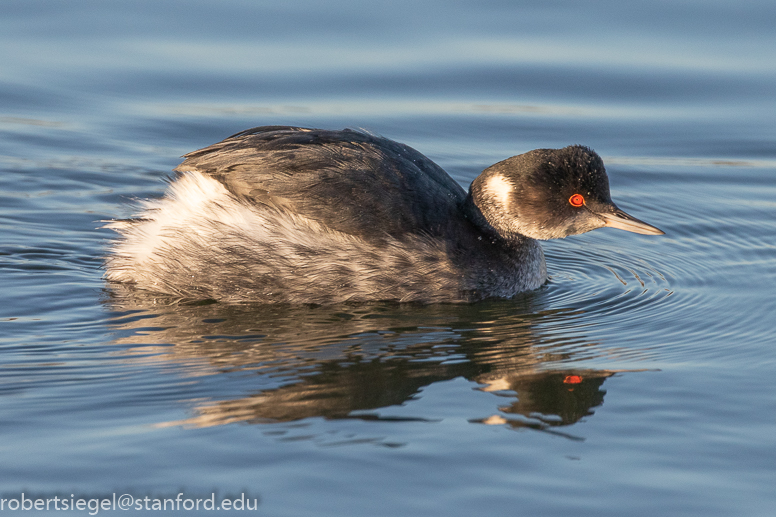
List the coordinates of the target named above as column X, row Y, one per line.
column 351, row 181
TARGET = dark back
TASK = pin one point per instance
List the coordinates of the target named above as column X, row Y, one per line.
column 350, row 181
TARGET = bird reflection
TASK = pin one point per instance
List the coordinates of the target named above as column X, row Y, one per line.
column 284, row 364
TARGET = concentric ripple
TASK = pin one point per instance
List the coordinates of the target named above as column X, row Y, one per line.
column 692, row 292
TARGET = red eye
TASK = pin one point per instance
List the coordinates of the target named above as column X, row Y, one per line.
column 577, row 200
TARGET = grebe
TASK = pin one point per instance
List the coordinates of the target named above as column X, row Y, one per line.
column 282, row 214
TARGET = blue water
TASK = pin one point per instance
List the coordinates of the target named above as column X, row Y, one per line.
column 638, row 381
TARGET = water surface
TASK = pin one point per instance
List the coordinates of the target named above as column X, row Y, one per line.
column 638, row 380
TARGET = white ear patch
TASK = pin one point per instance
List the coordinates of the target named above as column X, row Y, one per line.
column 498, row 188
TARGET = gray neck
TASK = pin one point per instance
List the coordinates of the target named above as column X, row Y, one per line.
column 474, row 213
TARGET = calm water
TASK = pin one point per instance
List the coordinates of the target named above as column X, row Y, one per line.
column 640, row 379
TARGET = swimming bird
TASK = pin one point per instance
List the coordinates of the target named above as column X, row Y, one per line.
column 280, row 214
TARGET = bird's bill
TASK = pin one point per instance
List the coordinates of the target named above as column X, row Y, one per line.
column 623, row 221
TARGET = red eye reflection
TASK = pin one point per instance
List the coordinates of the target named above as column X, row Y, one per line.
column 577, row 200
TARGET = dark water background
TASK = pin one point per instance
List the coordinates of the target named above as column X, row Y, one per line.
column 638, row 381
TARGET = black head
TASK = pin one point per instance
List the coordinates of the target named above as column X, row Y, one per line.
column 551, row 193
